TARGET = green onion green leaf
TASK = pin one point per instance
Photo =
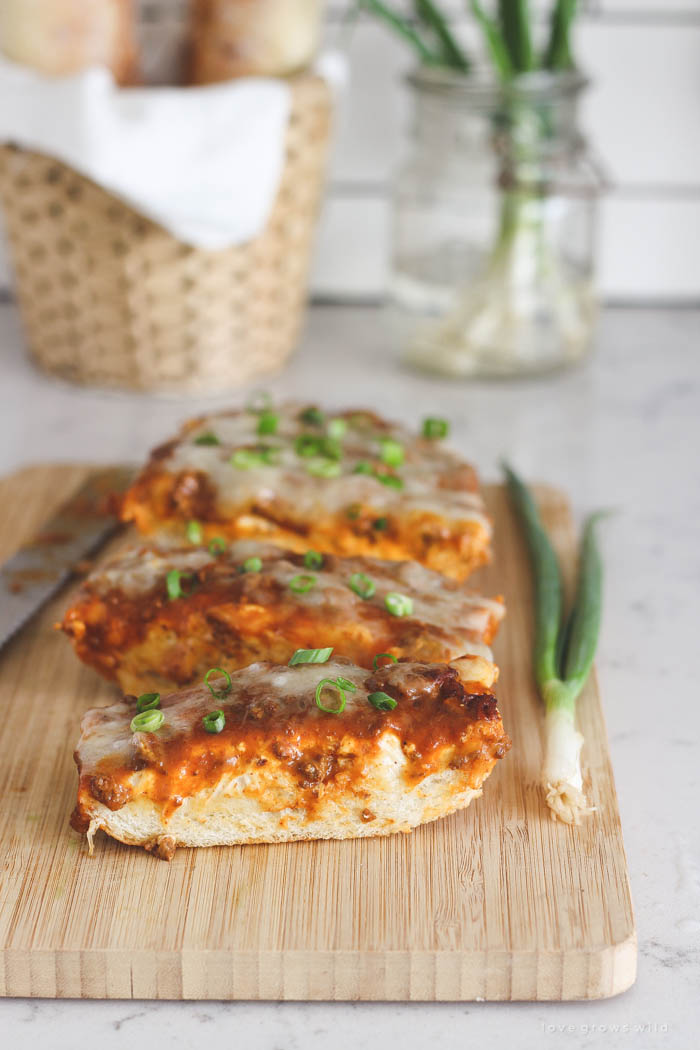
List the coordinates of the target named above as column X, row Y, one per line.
column 147, row 721
column 382, row 701
column 392, row 481
column 345, row 683
column 217, row 546
column 194, row 532
column 391, row 452
column 383, row 656
column 380, row 524
column 253, row 564
column 174, row 581
column 435, row 429
column 214, row 722
column 148, row 702
column 208, row 438
column 363, row 467
column 268, row 423
column 332, row 684
column 398, row 604
column 302, row 583
column 311, row 656
column 336, row 428
column 313, row 416
column 362, row 585
column 313, row 560
column 324, row 468
column 218, row 694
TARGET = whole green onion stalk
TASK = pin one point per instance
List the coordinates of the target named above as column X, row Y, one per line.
column 521, row 256
column 563, row 651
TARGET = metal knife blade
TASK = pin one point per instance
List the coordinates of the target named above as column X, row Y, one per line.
column 42, row 566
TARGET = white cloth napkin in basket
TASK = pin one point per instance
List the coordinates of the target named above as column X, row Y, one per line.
column 203, row 162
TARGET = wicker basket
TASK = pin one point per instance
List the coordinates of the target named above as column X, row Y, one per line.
column 109, row 298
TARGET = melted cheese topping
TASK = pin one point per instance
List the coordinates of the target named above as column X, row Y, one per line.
column 272, row 718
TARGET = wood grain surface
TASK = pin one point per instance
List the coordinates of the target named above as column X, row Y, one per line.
column 497, row 902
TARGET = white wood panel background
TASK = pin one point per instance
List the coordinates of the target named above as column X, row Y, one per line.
column 642, row 116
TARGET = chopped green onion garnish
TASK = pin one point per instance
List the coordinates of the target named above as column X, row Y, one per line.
column 249, row 458
column 218, row 694
column 259, row 402
column 307, row 445
column 302, row 583
column 354, row 511
column 363, row 467
column 398, row 604
column 384, row 656
column 268, row 422
column 336, row 428
column 194, row 532
column 209, row 438
column 390, row 480
column 173, row 582
column 312, row 416
column 362, row 585
column 329, row 683
column 252, row 564
column 214, row 722
column 345, row 683
column 311, row 656
column 331, row 448
column 382, row 701
column 148, row 702
column 435, row 428
column 391, row 452
column 313, row 560
column 217, row 546
column 147, row 721
column 323, row 468
column 380, row 524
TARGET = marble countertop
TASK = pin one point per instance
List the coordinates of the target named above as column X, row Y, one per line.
column 622, row 432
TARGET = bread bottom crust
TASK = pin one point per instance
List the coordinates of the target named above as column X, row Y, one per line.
column 207, row 820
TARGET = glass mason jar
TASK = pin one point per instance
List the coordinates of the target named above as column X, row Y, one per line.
column 494, row 225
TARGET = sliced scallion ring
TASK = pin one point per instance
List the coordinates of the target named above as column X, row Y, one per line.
column 336, row 428
column 345, row 683
column 194, row 532
column 302, row 583
column 362, row 585
column 383, row 656
column 252, row 564
column 330, row 683
column 391, row 452
column 313, row 416
column 324, row 468
column 380, row 524
column 173, row 582
column 147, row 721
column 313, row 560
column 208, row 438
column 268, row 422
column 148, row 702
column 331, row 448
column 392, row 481
column 217, row 546
column 247, row 458
column 307, row 445
column 435, row 429
column 363, row 467
column 214, row 722
column 218, row 694
column 382, row 701
column 398, row 604
column 311, row 656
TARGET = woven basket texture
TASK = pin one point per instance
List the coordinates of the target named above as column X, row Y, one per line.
column 108, row 298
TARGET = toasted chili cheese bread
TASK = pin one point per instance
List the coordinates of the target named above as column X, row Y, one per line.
column 254, row 601
column 353, row 485
column 280, row 767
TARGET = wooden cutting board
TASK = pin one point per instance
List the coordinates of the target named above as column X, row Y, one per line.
column 497, row 902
